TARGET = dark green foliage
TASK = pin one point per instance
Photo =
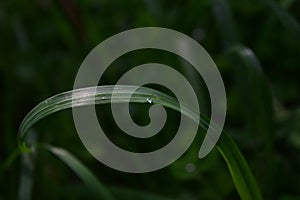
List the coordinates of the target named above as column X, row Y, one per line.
column 255, row 44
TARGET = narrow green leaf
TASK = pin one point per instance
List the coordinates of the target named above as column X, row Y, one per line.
column 10, row 159
column 99, row 95
column 240, row 171
column 82, row 171
column 255, row 92
column 256, row 101
column 254, row 86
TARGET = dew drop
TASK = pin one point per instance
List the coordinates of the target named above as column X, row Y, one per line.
column 149, row 100
column 46, row 101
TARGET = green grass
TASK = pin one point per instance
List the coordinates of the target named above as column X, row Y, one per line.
column 255, row 45
column 242, row 176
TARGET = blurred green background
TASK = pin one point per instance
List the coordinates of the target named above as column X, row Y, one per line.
column 43, row 43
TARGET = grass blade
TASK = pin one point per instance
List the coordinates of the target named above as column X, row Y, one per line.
column 84, row 96
column 252, row 84
column 9, row 161
column 242, row 176
column 238, row 167
column 255, row 87
column 258, row 102
column 26, row 178
column 27, row 170
column 82, row 171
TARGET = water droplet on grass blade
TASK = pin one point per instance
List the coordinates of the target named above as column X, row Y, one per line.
column 149, row 100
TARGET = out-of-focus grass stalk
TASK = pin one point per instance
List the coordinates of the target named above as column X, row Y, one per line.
column 27, row 170
column 225, row 22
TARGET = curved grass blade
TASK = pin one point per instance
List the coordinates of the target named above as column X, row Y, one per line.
column 252, row 84
column 255, row 87
column 81, row 170
column 99, row 95
column 258, row 102
column 242, row 176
